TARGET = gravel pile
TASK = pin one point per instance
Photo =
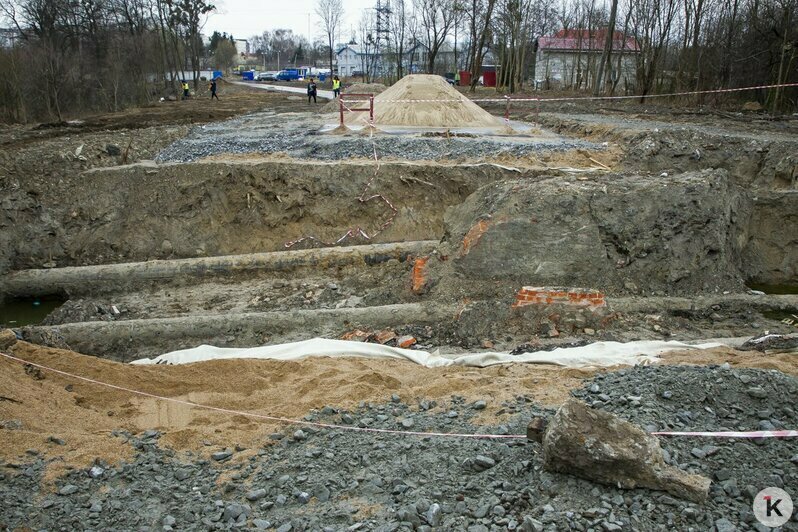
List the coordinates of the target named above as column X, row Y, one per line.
column 296, row 134
column 314, row 479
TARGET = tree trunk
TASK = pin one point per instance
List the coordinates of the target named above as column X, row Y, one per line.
column 606, row 57
column 476, row 69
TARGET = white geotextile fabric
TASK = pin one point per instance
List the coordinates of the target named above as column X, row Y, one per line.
column 598, row 354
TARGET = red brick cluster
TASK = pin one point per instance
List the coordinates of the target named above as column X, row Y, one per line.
column 420, row 274
column 580, row 297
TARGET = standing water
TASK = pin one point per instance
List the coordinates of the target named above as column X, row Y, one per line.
column 27, row 311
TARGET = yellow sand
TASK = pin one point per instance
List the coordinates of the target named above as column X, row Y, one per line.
column 458, row 111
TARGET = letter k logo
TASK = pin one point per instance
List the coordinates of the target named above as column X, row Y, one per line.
column 772, row 506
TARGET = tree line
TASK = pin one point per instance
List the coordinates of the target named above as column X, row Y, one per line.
column 61, row 57
column 679, row 45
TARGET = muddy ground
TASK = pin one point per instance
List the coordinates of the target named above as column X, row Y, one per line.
column 632, row 200
column 683, row 218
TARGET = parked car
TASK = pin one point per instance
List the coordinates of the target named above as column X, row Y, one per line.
column 268, row 76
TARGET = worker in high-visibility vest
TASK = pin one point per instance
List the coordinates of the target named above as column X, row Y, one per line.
column 336, row 87
column 185, row 90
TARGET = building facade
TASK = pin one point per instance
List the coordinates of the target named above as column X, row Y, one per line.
column 356, row 60
column 570, row 59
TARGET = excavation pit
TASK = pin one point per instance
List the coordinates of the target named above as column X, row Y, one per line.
column 619, row 229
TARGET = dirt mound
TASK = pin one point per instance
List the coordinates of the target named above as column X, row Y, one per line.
column 37, row 405
column 356, row 88
column 454, row 111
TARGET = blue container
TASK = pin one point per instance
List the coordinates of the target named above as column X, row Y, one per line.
column 322, row 77
column 248, row 75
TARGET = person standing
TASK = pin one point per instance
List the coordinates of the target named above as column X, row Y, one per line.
column 213, row 89
column 185, row 90
column 312, row 90
column 336, row 87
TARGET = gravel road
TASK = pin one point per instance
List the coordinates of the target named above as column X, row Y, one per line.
column 297, row 135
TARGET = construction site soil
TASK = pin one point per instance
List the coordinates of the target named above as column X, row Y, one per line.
column 246, row 222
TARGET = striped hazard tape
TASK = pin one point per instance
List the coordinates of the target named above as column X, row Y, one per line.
column 575, row 98
column 735, row 434
column 289, row 421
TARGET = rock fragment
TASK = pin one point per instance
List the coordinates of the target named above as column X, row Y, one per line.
column 599, row 446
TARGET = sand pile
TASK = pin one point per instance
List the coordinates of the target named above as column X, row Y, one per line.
column 356, row 88
column 38, row 407
column 458, row 112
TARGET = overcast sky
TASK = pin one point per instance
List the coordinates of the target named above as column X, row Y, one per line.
column 245, row 18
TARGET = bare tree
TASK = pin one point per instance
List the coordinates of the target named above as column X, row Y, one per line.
column 330, row 12
column 188, row 16
column 479, row 17
column 224, row 55
column 369, row 50
column 606, row 56
column 401, row 31
column 652, row 21
column 437, row 18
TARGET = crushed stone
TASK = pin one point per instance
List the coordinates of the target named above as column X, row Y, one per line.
column 330, row 480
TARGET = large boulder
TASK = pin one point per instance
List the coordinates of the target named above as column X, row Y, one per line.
column 602, row 447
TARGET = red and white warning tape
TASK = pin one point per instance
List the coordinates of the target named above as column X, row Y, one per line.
column 735, row 434
column 576, row 98
column 289, row 421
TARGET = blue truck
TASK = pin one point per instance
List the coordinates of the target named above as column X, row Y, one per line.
column 292, row 74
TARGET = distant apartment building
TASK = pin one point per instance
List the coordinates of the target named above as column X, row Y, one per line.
column 242, row 46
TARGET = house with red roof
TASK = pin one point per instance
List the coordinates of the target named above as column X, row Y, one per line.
column 570, row 58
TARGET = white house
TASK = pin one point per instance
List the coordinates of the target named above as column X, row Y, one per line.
column 354, row 59
column 570, row 58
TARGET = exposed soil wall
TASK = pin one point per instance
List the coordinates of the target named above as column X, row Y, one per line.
column 754, row 157
column 771, row 253
column 675, row 235
column 148, row 211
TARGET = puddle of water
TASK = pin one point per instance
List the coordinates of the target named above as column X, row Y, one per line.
column 27, row 311
column 775, row 289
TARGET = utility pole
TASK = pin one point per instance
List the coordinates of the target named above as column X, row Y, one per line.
column 383, row 26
